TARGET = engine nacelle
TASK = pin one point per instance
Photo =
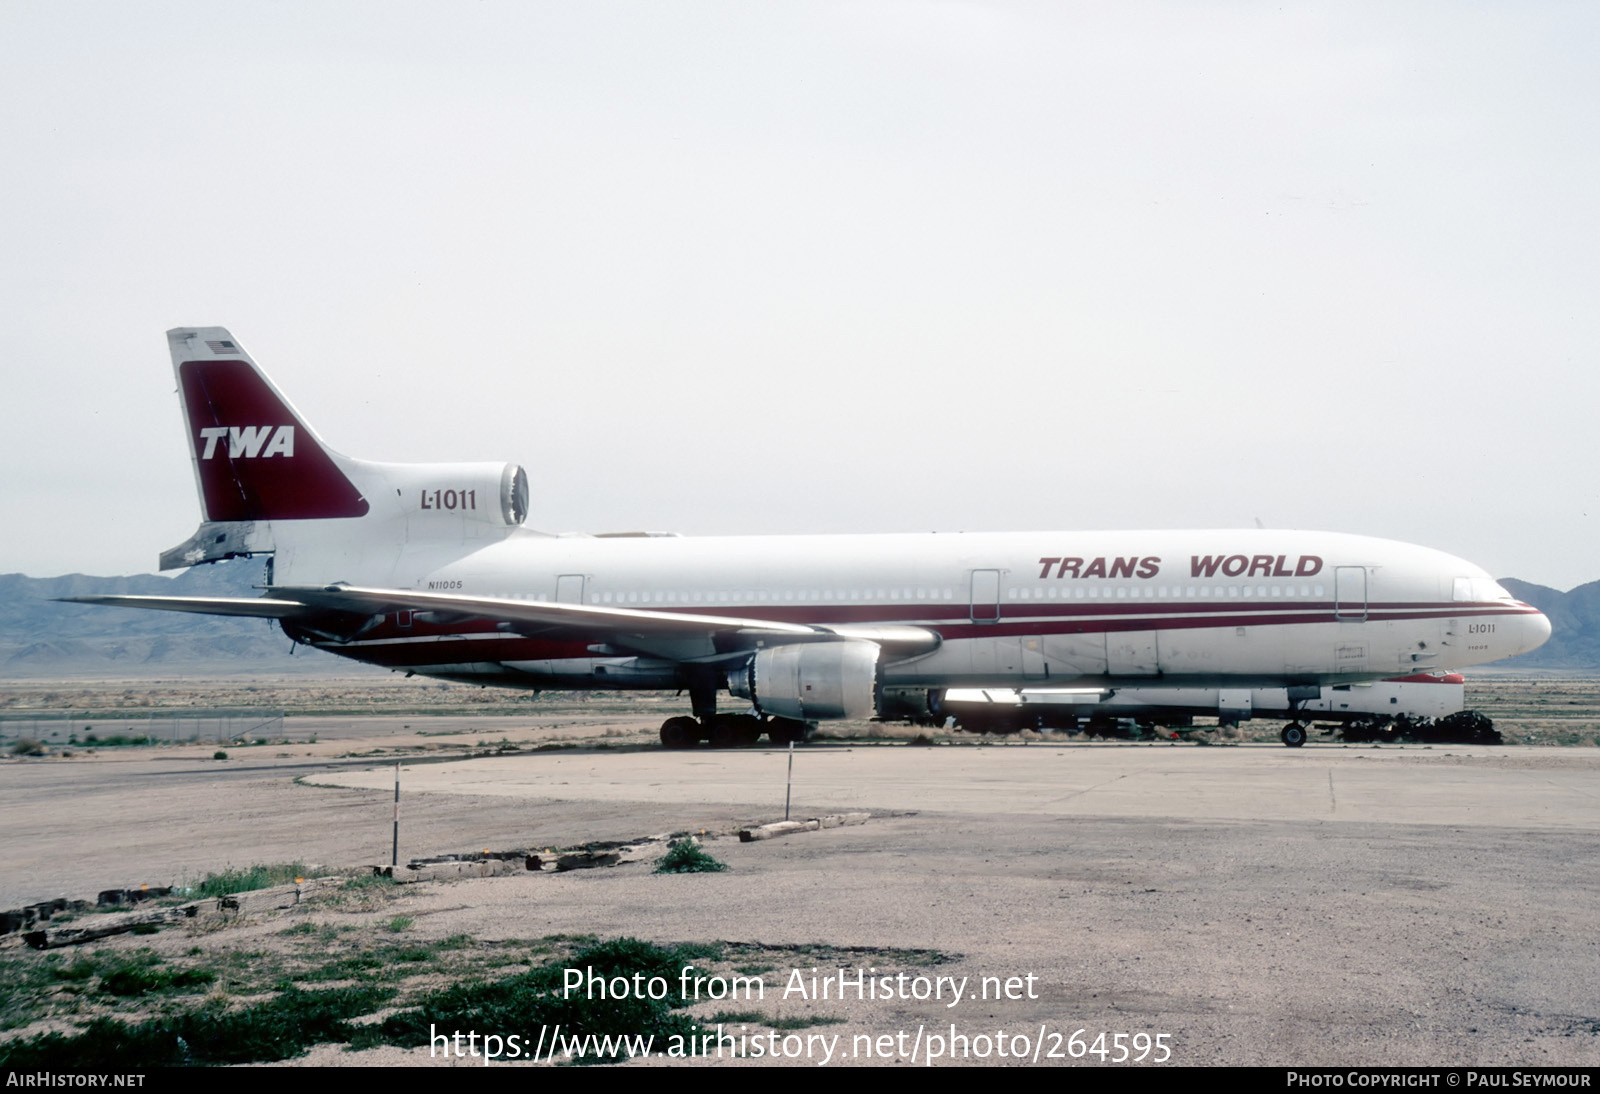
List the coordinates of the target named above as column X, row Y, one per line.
column 811, row 681
column 446, row 497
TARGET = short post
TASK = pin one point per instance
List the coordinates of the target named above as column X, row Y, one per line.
column 788, row 787
column 394, row 850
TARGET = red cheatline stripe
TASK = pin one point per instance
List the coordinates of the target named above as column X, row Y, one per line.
column 1035, row 622
column 484, row 643
column 946, row 611
column 1142, row 614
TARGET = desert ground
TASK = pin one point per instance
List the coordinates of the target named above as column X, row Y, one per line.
column 1338, row 904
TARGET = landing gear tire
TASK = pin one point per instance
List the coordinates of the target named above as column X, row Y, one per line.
column 733, row 731
column 1294, row 734
column 748, row 732
column 781, row 731
column 680, row 733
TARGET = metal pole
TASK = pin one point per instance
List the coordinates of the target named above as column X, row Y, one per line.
column 789, row 786
column 394, row 849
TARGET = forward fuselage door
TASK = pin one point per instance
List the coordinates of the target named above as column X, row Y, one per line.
column 985, row 596
column 1350, row 593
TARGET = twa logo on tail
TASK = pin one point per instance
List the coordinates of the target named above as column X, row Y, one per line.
column 238, row 425
column 249, row 441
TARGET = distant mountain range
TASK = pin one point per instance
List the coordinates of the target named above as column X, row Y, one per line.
column 41, row 638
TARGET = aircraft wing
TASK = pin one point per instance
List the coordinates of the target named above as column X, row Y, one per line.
column 678, row 635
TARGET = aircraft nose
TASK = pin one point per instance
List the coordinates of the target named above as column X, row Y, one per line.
column 1534, row 631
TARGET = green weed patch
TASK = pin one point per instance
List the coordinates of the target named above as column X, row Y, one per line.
column 326, row 984
column 275, row 1030
column 686, row 857
column 248, row 879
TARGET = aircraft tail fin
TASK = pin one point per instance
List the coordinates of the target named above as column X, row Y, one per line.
column 267, row 483
column 254, row 457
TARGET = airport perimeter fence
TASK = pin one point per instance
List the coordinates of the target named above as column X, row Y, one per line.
column 65, row 729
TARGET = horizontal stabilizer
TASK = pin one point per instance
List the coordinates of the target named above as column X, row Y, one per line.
column 249, row 606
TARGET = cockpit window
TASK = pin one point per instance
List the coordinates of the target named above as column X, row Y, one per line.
column 1490, row 590
column 1479, row 589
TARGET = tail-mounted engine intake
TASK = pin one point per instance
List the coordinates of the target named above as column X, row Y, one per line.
column 811, row 681
column 513, row 494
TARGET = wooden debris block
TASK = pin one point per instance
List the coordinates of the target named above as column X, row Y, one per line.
column 445, row 871
column 845, row 820
column 106, row 926
column 786, row 828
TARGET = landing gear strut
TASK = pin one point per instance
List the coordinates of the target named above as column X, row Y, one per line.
column 1294, row 734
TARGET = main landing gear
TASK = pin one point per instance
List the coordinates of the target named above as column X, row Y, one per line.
column 1294, row 734
column 731, row 731
column 725, row 730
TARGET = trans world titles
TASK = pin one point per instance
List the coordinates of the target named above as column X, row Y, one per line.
column 1144, row 566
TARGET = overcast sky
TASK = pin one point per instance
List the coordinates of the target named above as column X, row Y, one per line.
column 807, row 267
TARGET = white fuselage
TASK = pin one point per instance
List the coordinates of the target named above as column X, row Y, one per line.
column 1247, row 608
